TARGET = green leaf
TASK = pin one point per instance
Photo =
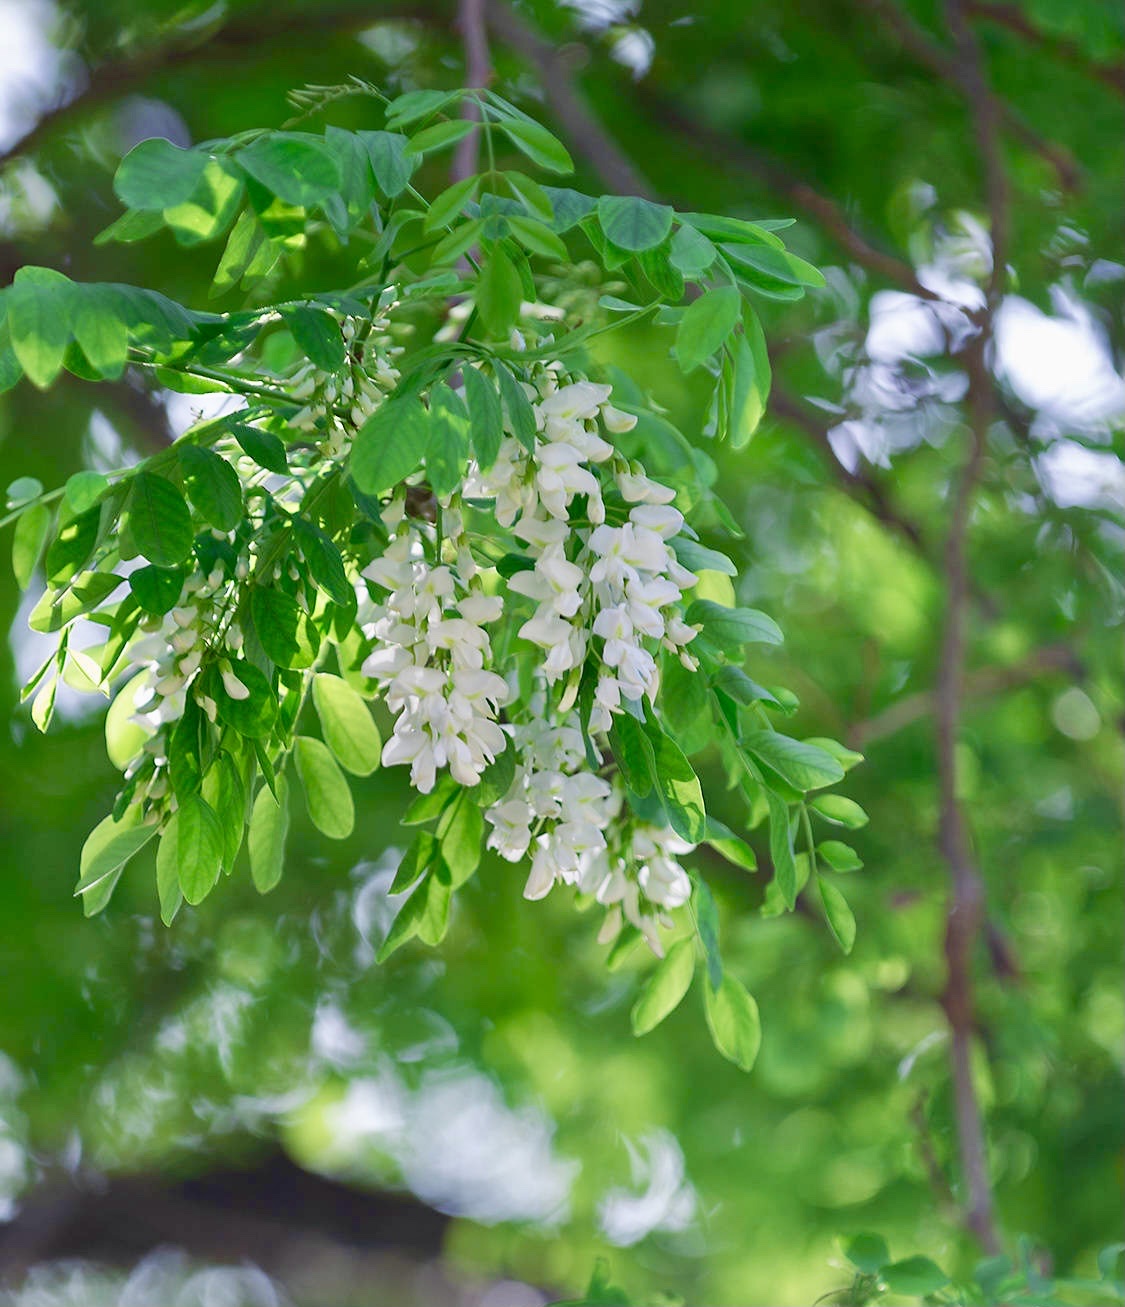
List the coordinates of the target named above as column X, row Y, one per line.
column 847, row 758
column 803, row 766
column 665, row 988
column 73, row 544
column 750, row 382
column 325, row 562
column 679, row 788
column 569, row 207
column 845, row 812
column 288, row 637
column 212, row 486
column 253, row 716
column 390, row 163
column 915, row 1277
column 299, row 170
column 774, row 265
column 698, row 558
column 225, row 792
column 32, row 530
column 440, row 135
column 156, row 589
column 414, row 105
column 839, row 856
column 269, row 828
column 460, row 832
column 169, row 893
column 348, row 727
column 632, row 223
column 690, row 252
column 209, row 210
column 781, row 849
column 517, row 407
column 449, row 203
column 486, row 419
column 56, row 608
column 868, row 1252
column 425, row 913
column 841, row 920
column 157, row 174
column 537, row 237
column 730, row 628
column 99, row 329
column 538, row 144
column 390, row 445
column 327, row 796
column 732, row 1018
column 318, row 335
column 263, row 447
column 496, row 779
column 249, row 253
column 39, row 321
column 193, row 843
column 23, row 490
column 448, row 450
column 159, row 519
column 735, row 849
column 109, row 846
column 633, row 752
column 417, row 859
column 706, row 324
column 84, row 489
column 499, row 293
column 133, row 225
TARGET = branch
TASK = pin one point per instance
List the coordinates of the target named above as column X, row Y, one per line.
column 947, row 65
column 590, row 138
column 861, row 486
column 798, row 192
column 478, row 74
column 241, row 38
column 966, row 913
column 985, row 682
column 1065, row 51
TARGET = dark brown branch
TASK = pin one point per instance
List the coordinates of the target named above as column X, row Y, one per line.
column 1015, row 20
column 947, row 65
column 240, row 38
column 860, row 485
column 478, row 74
column 966, row 913
column 985, row 682
column 595, row 144
column 796, row 191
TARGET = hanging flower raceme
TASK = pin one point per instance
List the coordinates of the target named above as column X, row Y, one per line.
column 418, row 536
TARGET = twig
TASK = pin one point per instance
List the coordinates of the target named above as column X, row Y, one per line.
column 478, row 74
column 984, row 682
column 595, row 144
column 117, row 78
column 1065, row 51
column 947, row 65
column 797, row 191
column 860, row 485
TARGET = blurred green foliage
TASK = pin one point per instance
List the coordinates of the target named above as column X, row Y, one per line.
column 255, row 1019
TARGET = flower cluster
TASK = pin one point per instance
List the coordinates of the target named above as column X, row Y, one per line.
column 432, row 657
column 573, row 822
column 619, row 583
column 335, row 404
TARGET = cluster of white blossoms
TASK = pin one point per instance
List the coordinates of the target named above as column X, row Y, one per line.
column 574, row 823
column 619, row 583
column 170, row 651
column 432, row 657
column 357, row 390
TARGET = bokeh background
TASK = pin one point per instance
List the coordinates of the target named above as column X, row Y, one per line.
column 244, row 1108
